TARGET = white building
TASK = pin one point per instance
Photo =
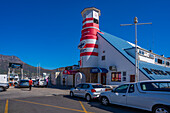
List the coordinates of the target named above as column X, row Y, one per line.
column 107, row 59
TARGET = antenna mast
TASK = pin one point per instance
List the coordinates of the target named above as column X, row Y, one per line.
column 136, row 50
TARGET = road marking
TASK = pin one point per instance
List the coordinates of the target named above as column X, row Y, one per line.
column 6, row 107
column 51, row 106
column 83, row 107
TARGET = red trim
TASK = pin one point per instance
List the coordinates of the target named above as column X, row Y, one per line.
column 87, row 19
column 91, row 46
column 89, row 53
column 88, row 37
column 91, row 25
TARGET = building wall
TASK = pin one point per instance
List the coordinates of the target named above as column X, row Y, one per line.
column 94, row 76
column 115, row 58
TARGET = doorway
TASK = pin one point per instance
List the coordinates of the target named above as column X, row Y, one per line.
column 132, row 78
column 103, row 78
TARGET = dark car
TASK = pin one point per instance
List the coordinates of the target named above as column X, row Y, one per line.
column 23, row 84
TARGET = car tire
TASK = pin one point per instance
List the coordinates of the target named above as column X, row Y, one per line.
column 71, row 94
column 88, row 97
column 2, row 89
column 160, row 109
column 105, row 101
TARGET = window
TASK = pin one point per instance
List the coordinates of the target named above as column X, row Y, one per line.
column 79, row 86
column 131, row 88
column 124, row 76
column 103, row 57
column 98, row 86
column 147, row 70
column 85, row 86
column 155, row 86
column 116, row 77
column 167, row 63
column 151, row 55
column 122, row 88
column 95, row 21
column 159, row 61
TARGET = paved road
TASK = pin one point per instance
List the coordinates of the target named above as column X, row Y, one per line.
column 24, row 92
column 58, row 103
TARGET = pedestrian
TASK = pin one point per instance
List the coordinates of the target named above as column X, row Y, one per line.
column 30, row 84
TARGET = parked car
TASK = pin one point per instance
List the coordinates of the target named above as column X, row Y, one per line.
column 153, row 95
column 4, row 86
column 87, row 90
column 40, row 82
column 23, row 83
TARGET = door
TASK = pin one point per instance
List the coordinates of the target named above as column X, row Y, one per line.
column 132, row 78
column 77, row 89
column 84, row 89
column 103, row 78
column 119, row 94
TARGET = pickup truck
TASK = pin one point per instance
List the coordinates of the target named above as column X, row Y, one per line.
column 152, row 95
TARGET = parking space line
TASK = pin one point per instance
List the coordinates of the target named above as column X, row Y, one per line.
column 6, row 107
column 51, row 106
column 83, row 106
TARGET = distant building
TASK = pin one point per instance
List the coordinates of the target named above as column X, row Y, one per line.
column 107, row 59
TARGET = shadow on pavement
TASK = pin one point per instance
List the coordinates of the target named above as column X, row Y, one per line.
column 110, row 108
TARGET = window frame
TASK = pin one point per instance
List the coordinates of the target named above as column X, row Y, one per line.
column 119, row 79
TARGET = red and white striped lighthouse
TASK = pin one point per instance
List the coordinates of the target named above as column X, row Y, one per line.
column 89, row 42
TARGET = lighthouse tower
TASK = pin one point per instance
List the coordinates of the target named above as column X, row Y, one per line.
column 89, row 42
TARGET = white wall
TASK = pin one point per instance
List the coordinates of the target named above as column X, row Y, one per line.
column 115, row 58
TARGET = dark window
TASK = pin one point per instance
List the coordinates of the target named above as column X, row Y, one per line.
column 85, row 86
column 167, row 63
column 95, row 21
column 124, row 76
column 122, row 88
column 103, row 57
column 159, row 61
column 116, row 77
column 168, row 72
column 147, row 70
column 131, row 88
column 98, row 86
column 155, row 86
column 79, row 86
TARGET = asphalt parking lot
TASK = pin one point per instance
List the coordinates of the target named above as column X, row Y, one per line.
column 58, row 103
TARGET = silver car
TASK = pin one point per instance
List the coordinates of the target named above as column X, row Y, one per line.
column 87, row 90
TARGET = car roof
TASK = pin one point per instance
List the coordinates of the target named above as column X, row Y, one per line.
column 163, row 80
column 92, row 83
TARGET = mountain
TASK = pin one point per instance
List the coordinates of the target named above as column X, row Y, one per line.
column 28, row 69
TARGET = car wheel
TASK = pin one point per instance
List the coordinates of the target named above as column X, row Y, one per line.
column 88, row 97
column 2, row 89
column 161, row 109
column 105, row 101
column 71, row 94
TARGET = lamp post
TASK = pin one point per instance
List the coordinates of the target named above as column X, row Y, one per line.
column 136, row 50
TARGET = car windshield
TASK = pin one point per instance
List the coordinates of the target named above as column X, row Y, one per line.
column 155, row 86
column 98, row 86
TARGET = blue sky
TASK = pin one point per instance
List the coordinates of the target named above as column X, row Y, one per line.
column 48, row 31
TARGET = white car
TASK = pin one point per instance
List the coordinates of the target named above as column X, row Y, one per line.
column 40, row 82
column 153, row 95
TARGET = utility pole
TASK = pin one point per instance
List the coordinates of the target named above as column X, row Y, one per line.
column 136, row 50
